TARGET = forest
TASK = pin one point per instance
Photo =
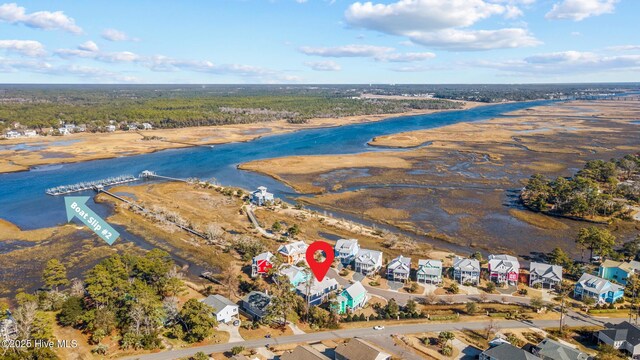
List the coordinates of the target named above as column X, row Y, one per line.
column 600, row 189
column 174, row 107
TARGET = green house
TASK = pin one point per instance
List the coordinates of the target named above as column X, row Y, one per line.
column 352, row 298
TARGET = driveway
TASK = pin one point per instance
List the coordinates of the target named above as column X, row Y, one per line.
column 467, row 352
column 233, row 332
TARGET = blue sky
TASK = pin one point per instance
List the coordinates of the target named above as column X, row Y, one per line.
column 319, row 41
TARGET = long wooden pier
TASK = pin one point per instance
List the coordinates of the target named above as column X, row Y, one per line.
column 90, row 185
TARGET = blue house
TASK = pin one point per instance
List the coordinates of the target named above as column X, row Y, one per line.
column 296, row 275
column 597, row 288
column 317, row 292
column 346, row 250
column 618, row 271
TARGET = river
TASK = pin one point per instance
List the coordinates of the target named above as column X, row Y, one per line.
column 23, row 200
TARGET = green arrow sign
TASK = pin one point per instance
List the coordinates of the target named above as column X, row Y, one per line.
column 77, row 206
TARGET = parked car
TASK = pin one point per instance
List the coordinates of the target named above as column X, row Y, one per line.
column 378, row 327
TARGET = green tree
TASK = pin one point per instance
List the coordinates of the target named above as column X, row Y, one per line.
column 237, row 350
column 536, row 302
column 491, row 287
column 55, row 274
column 392, row 308
column 411, row 306
column 276, row 227
column 559, row 257
column 598, row 240
column 71, row 312
column 444, row 337
column 198, row 320
column 294, row 230
column 471, row 308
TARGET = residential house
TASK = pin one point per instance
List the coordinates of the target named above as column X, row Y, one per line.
column 547, row 275
column 507, row 351
column 368, row 261
column 504, row 269
column 261, row 264
column 346, row 250
column 624, row 336
column 146, row 126
column 294, row 252
column 549, row 349
column 305, row 352
column 618, row 271
column 110, row 128
column 466, row 271
column 255, row 305
column 12, row 134
column 295, row 274
column 358, row 349
column 132, row 127
column 64, row 131
column 261, row 196
column 352, row 298
column 30, row 133
column 597, row 288
column 70, row 127
column 318, row 291
column 429, row 271
column 225, row 310
column 399, row 269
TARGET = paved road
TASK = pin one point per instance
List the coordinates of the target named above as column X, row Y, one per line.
column 402, row 298
column 572, row 320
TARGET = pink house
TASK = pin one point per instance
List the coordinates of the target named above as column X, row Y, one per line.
column 504, row 269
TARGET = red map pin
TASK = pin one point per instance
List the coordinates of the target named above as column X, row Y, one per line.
column 319, row 268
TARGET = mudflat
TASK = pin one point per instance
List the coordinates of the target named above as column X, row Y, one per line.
column 21, row 154
column 460, row 183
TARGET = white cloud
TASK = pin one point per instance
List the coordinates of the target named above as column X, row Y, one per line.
column 578, row 10
column 406, row 57
column 565, row 62
column 90, row 50
column 442, row 23
column 378, row 53
column 624, row 48
column 24, row 47
column 47, row 20
column 324, row 65
column 346, row 51
column 116, row 35
column 467, row 40
column 83, row 72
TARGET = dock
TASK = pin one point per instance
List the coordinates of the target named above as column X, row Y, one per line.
column 90, row 185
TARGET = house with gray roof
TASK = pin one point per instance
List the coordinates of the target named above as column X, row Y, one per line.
column 504, row 269
column 547, row 275
column 549, row 349
column 368, row 261
column 346, row 250
column 597, row 288
column 624, row 336
column 507, row 351
column 618, row 271
column 358, row 349
column 399, row 269
column 466, row 271
column 225, row 310
column 429, row 271
column 303, row 352
column 8, row 330
column 317, row 292
column 255, row 305
column 261, row 196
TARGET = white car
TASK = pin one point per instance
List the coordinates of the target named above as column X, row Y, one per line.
column 378, row 327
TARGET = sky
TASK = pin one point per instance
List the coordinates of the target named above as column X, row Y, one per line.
column 320, row 41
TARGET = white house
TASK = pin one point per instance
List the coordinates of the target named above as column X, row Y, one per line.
column 11, row 134
column 30, row 133
column 346, row 250
column 429, row 271
column 8, row 329
column 368, row 261
column 399, row 269
column 225, row 310
column 624, row 336
column 146, row 126
column 261, row 196
column 132, row 127
column 64, row 131
column 466, row 270
column 293, row 252
column 504, row 269
column 110, row 128
column 546, row 275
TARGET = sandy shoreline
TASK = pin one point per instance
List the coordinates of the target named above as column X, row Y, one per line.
column 23, row 154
